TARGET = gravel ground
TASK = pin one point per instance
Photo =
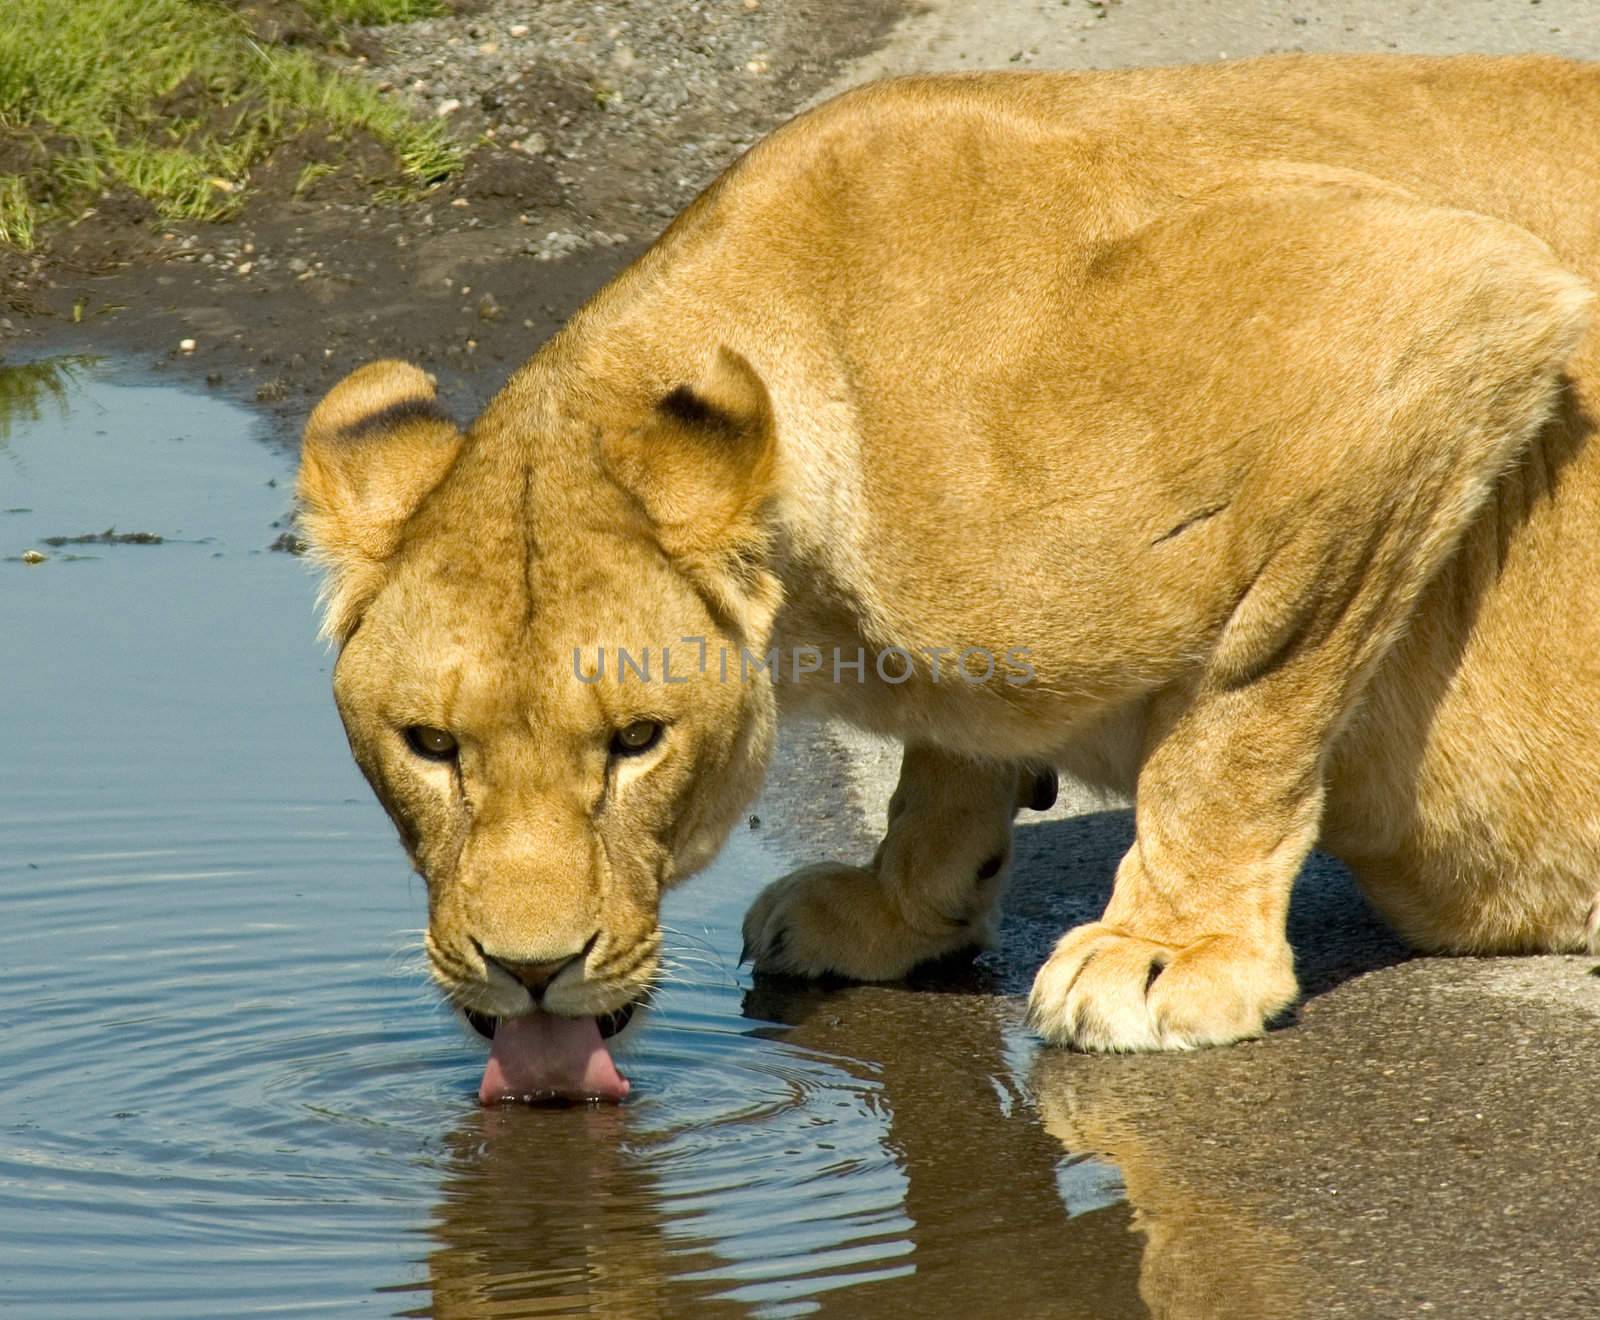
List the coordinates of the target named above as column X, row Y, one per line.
column 635, row 107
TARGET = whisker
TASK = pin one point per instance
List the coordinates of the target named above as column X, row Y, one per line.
column 704, row 941
column 693, row 971
column 711, row 958
column 698, row 959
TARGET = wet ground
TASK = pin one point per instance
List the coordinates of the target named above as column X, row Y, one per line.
column 229, row 1090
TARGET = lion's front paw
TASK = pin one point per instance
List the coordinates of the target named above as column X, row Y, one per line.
column 835, row 920
column 1106, row 990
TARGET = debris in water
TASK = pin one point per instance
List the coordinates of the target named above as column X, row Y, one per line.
column 111, row 536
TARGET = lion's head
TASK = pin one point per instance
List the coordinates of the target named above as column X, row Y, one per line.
column 482, row 588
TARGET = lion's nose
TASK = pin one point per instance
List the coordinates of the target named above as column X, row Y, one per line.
column 537, row 975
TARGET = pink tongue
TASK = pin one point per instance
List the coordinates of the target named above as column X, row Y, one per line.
column 543, row 1057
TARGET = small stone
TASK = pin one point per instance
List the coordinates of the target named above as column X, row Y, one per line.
column 461, row 203
column 33, row 557
column 518, row 29
column 488, row 308
column 245, row 267
column 447, row 107
column 298, row 265
column 187, row 346
column 752, row 5
column 489, row 48
column 756, row 66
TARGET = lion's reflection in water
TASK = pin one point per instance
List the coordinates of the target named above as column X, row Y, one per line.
column 871, row 1150
column 912, row 1153
column 957, row 1203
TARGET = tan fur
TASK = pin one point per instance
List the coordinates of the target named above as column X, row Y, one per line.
column 1241, row 411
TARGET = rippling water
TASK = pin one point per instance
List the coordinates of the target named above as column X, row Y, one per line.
column 226, row 1087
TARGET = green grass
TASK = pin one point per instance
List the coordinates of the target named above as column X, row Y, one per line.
column 372, row 11
column 87, row 79
column 16, row 212
column 310, row 173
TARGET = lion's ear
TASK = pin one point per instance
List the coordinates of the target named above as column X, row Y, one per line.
column 702, row 468
column 373, row 449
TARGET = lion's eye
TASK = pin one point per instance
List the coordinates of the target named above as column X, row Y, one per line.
column 430, row 743
column 640, row 736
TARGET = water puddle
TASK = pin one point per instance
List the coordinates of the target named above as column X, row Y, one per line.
column 228, row 1090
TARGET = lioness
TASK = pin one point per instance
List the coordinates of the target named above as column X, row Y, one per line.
column 1222, row 430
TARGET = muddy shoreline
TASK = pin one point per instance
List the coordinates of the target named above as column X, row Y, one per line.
column 588, row 126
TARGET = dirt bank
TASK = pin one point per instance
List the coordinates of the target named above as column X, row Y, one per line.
column 587, row 125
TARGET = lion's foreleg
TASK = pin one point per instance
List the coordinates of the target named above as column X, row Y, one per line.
column 1192, row 948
